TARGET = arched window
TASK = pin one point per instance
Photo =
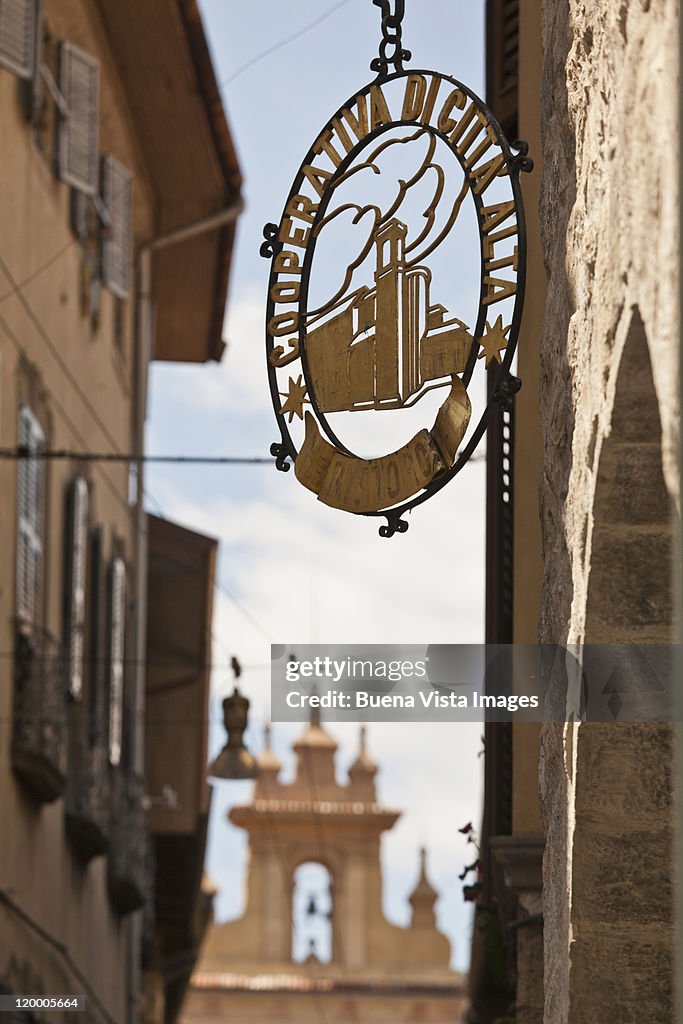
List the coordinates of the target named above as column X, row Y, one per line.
column 312, row 913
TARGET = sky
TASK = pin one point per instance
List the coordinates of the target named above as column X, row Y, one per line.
column 291, row 570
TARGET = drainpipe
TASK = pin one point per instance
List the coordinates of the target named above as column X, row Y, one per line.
column 144, row 354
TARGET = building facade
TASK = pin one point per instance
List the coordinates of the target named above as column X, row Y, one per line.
column 115, row 250
column 579, row 817
column 255, row 967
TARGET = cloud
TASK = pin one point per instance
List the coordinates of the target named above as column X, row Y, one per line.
column 237, row 383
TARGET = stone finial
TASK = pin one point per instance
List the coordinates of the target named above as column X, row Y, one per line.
column 423, row 897
column 314, row 716
column 363, row 762
column 268, row 763
column 362, row 772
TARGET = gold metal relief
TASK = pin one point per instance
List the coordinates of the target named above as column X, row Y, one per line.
column 388, row 335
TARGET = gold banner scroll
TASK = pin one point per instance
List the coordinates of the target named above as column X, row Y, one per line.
column 368, row 485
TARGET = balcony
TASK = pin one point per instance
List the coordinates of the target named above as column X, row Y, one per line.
column 39, row 720
column 88, row 808
column 129, row 863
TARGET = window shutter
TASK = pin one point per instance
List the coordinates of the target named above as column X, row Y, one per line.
column 77, row 541
column 97, row 648
column 31, row 511
column 116, row 652
column 117, row 245
column 78, row 124
column 18, row 36
column 502, row 62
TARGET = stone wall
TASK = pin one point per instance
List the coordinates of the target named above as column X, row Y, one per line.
column 609, row 215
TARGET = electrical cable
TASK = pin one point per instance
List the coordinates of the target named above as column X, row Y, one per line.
column 123, row 501
column 60, row 948
column 64, row 416
column 23, row 452
column 54, row 350
column 41, row 269
column 283, row 42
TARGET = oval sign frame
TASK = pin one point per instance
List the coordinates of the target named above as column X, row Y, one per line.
column 338, row 477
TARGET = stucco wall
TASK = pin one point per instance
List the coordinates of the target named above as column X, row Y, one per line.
column 55, row 344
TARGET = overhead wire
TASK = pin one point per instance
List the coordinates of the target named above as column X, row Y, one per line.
column 64, row 416
column 283, row 42
column 41, row 269
column 57, row 355
column 23, row 452
column 61, row 411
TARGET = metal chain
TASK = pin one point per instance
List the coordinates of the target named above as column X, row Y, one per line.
column 391, row 38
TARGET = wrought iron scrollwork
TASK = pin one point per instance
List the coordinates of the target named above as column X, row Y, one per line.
column 521, row 161
column 281, row 454
column 391, row 50
column 394, row 524
column 271, row 244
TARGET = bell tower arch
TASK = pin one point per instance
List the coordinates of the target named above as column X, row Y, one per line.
column 315, row 818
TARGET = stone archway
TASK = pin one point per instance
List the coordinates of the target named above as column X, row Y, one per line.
column 630, row 590
column 621, row 854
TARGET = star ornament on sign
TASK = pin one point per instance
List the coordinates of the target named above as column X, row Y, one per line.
column 494, row 341
column 295, row 398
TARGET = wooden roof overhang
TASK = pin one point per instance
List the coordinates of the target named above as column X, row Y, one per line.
column 166, row 70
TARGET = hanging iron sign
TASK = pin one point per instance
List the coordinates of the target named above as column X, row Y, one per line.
column 407, row 205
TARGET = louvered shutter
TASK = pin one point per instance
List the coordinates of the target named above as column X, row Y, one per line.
column 117, row 245
column 97, row 648
column 31, row 511
column 116, row 652
column 502, row 61
column 77, row 541
column 18, row 36
column 78, row 126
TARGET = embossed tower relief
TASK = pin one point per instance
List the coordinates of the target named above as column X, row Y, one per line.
column 339, row 826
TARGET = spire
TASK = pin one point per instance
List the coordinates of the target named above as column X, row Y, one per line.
column 314, row 713
column 423, row 897
column 269, row 767
column 362, row 772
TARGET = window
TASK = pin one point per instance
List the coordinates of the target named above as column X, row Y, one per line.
column 31, row 515
column 117, row 619
column 117, row 196
column 97, row 647
column 76, row 562
column 18, row 34
column 78, row 104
